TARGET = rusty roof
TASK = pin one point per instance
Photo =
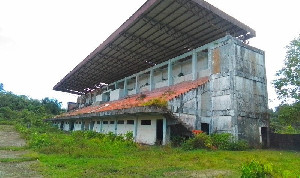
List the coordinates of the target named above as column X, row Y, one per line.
column 156, row 32
column 165, row 93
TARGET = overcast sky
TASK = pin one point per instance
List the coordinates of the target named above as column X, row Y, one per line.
column 41, row 41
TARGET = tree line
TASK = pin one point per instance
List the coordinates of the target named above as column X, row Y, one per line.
column 27, row 110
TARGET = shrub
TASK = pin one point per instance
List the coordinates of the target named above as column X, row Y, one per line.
column 39, row 140
column 158, row 102
column 200, row 141
column 256, row 169
column 177, row 141
column 222, row 141
column 239, row 145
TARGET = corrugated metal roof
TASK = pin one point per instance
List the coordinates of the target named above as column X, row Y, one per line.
column 158, row 31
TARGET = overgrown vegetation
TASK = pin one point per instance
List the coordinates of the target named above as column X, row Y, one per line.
column 286, row 118
column 158, row 102
column 90, row 154
column 223, row 141
column 20, row 108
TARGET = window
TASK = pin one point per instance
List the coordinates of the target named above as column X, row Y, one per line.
column 98, row 122
column 121, row 122
column 145, row 122
column 105, row 122
column 112, row 122
column 130, row 122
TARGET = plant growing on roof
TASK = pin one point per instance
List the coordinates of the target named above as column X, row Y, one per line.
column 158, row 102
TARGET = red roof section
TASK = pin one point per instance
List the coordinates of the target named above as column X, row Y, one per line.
column 166, row 93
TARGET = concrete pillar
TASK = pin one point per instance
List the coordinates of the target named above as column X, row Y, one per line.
column 135, row 129
column 170, row 73
column 151, row 86
column 116, row 126
column 116, row 85
column 101, row 125
column 164, row 131
column 82, row 125
column 137, row 86
column 125, row 87
column 194, row 65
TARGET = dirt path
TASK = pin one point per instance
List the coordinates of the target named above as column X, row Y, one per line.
column 19, row 167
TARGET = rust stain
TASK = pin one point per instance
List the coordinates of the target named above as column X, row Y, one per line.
column 216, row 61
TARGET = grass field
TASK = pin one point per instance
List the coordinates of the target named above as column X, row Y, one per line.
column 166, row 161
column 86, row 154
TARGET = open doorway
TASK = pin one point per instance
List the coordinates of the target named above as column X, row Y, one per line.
column 264, row 137
column 205, row 128
column 159, row 131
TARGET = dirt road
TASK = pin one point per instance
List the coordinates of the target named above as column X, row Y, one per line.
column 13, row 163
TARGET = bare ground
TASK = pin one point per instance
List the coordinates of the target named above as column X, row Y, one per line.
column 10, row 138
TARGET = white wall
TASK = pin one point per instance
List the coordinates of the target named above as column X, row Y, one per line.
column 147, row 133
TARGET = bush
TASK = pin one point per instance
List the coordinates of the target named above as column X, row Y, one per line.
column 255, row 169
column 222, row 141
column 239, row 145
column 158, row 102
column 200, row 141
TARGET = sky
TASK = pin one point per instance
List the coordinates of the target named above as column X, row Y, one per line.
column 43, row 40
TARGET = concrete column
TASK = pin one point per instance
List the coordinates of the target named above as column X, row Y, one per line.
column 116, row 126
column 135, row 129
column 82, row 125
column 101, row 125
column 125, row 87
column 116, row 85
column 164, row 141
column 170, row 73
column 151, row 86
column 194, row 65
column 137, row 86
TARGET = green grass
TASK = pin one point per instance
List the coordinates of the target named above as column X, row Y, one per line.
column 156, row 162
column 13, row 148
column 87, row 154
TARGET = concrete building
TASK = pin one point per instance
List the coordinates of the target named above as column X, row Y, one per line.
column 174, row 66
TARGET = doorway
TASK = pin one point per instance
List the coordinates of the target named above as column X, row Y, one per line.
column 264, row 137
column 159, row 131
column 205, row 128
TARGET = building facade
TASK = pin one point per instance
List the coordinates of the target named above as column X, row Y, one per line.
column 169, row 74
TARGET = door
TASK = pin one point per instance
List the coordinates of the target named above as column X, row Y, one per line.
column 159, row 131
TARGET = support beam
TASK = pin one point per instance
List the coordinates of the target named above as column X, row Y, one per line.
column 125, row 87
column 101, row 126
column 151, row 78
column 137, row 85
column 170, row 73
column 116, row 126
column 170, row 31
column 82, row 125
column 135, row 128
column 164, row 141
column 194, row 65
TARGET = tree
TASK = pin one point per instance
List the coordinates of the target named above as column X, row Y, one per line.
column 1, row 87
column 287, row 84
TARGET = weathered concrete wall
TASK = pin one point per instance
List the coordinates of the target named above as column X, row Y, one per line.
column 250, row 92
column 235, row 99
